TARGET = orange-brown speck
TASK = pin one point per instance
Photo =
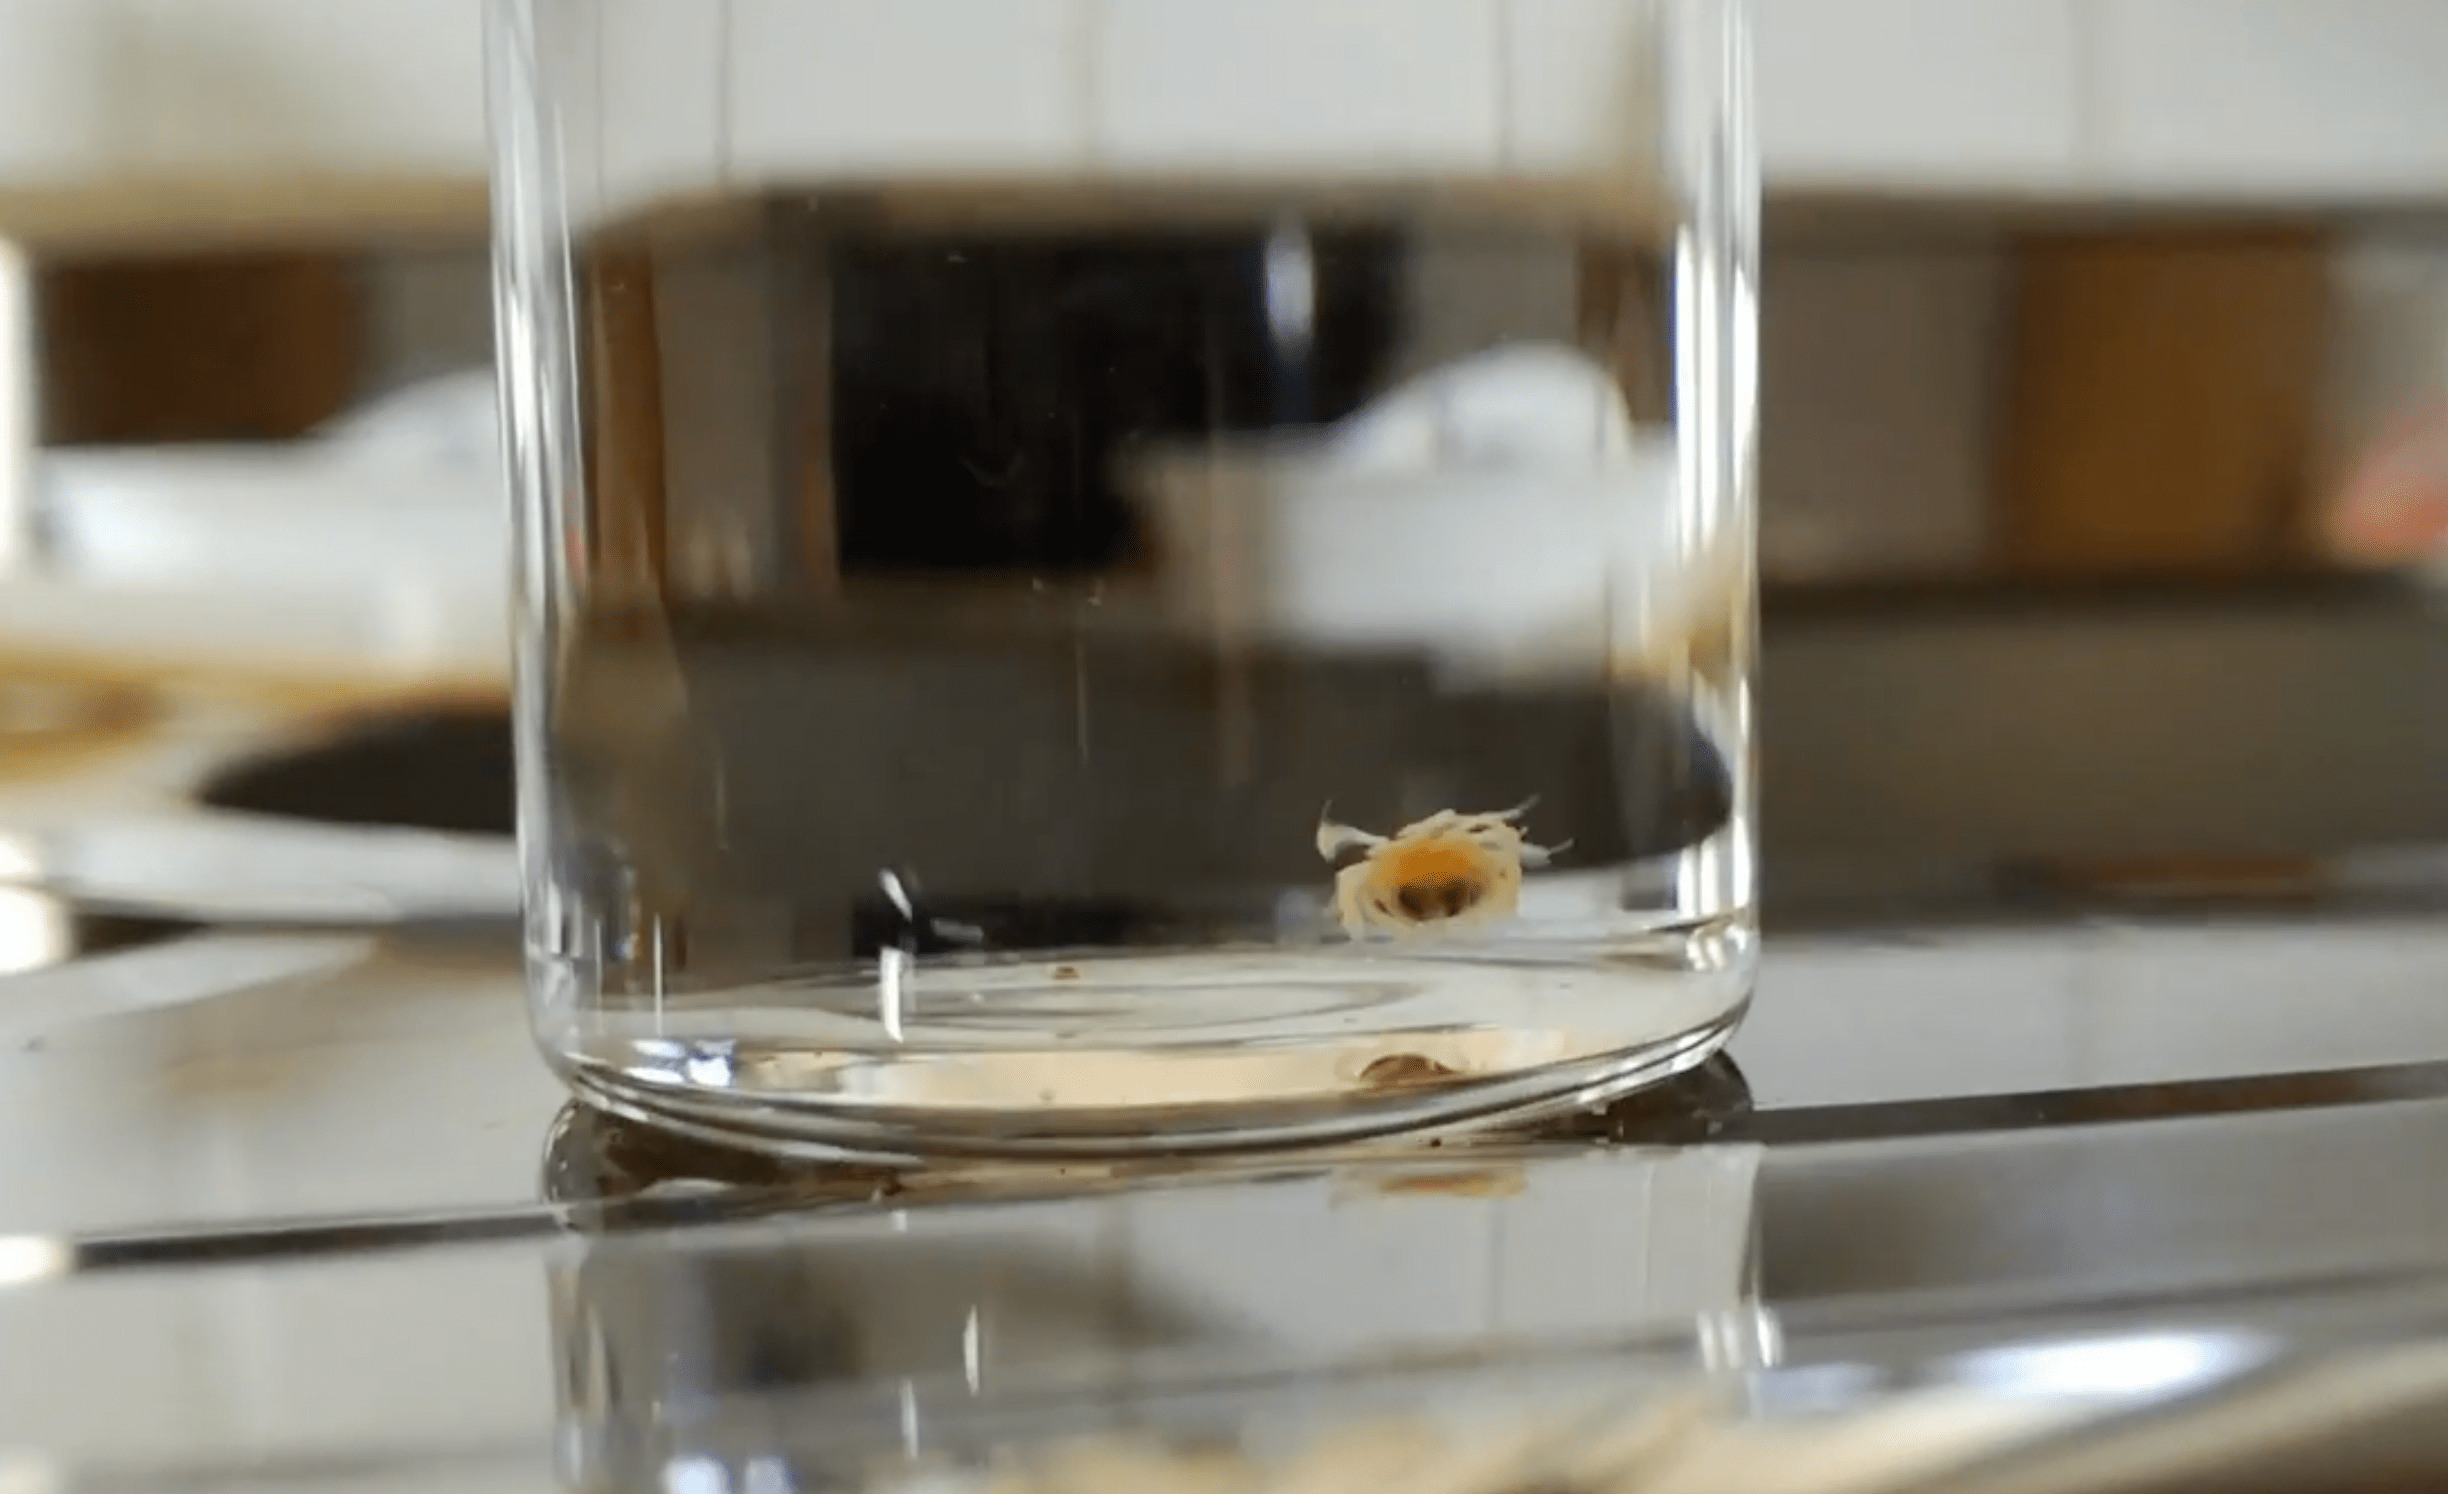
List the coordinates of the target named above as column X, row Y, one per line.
column 1404, row 1068
column 1437, row 878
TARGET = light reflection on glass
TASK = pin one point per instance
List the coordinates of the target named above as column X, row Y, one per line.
column 19, row 378
column 2117, row 1367
column 26, row 1259
column 892, row 989
column 694, row 1475
column 35, row 931
column 972, row 1345
column 1291, row 288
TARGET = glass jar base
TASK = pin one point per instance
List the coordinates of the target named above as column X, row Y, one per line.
column 1320, row 1051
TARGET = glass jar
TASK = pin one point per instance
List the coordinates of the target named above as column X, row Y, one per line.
column 1107, row 576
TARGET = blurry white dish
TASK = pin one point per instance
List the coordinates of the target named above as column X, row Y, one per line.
column 212, row 867
column 381, row 542
column 373, row 557
column 1514, row 520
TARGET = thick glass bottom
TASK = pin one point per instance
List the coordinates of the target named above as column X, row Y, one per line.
column 1155, row 1053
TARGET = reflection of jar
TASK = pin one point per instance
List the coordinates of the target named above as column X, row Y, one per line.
column 699, row 1352
column 651, row 1342
column 779, row 1350
column 720, row 1343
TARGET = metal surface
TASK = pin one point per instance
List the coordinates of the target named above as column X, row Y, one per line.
column 2179, row 1205
column 836, row 1348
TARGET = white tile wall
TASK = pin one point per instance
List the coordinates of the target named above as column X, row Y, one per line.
column 796, row 87
column 239, row 85
column 61, row 74
column 660, row 69
column 944, row 85
column 1930, row 94
column 1576, row 74
column 1299, row 83
column 2250, row 98
column 794, row 90
column 2300, row 98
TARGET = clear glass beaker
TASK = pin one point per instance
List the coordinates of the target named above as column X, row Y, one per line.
column 1128, row 575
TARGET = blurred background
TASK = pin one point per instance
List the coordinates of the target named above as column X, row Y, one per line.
column 2104, row 380
column 2104, row 531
